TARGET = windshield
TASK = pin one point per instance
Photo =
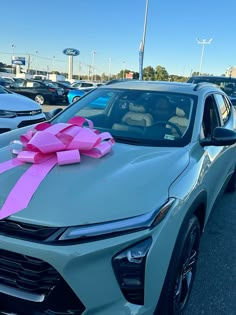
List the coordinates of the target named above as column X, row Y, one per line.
column 137, row 116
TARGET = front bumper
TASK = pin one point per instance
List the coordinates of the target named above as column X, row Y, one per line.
column 83, row 275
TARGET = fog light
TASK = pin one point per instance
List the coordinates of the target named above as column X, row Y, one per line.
column 129, row 267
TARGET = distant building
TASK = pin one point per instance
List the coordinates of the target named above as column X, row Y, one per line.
column 231, row 72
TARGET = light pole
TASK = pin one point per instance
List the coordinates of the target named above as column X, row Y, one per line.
column 142, row 44
column 94, row 52
column 53, row 64
column 109, row 69
column 36, row 62
column 123, row 70
column 12, row 65
column 203, row 43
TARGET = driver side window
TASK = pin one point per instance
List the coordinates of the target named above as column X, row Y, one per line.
column 210, row 118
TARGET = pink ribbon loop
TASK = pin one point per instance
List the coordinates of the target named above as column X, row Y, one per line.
column 45, row 146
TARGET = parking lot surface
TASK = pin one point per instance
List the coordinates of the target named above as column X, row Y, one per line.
column 214, row 290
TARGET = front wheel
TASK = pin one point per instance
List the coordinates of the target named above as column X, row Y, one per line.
column 76, row 98
column 181, row 271
column 39, row 99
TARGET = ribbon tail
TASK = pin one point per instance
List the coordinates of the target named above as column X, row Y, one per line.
column 7, row 165
column 19, row 198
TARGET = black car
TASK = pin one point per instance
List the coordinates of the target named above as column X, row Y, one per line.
column 4, row 83
column 41, row 92
column 66, row 88
column 227, row 84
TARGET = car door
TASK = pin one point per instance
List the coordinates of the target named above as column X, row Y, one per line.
column 27, row 89
column 218, row 159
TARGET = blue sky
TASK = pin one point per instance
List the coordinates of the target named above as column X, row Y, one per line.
column 114, row 29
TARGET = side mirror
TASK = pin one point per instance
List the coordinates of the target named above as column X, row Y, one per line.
column 221, row 136
column 53, row 113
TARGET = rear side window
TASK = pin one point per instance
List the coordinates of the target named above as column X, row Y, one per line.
column 224, row 107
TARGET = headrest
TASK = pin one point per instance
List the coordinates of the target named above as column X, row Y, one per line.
column 136, row 108
column 180, row 112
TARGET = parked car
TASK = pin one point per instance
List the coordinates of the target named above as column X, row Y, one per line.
column 18, row 111
column 75, row 94
column 227, row 84
column 85, row 85
column 119, row 232
column 4, row 83
column 66, row 88
column 39, row 91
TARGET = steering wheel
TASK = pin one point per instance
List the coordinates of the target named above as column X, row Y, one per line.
column 162, row 122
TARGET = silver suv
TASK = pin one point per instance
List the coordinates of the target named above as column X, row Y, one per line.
column 103, row 210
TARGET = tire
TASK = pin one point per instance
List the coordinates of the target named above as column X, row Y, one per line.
column 231, row 186
column 39, row 99
column 76, row 98
column 181, row 271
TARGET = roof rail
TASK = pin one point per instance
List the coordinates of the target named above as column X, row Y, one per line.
column 203, row 84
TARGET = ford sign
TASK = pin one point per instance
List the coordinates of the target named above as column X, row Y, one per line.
column 71, row 52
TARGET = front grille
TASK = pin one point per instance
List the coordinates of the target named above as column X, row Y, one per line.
column 25, row 123
column 27, row 274
column 31, row 286
column 25, row 231
column 28, row 112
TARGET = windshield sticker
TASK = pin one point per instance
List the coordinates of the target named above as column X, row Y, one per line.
column 169, row 137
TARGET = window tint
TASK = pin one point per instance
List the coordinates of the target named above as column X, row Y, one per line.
column 224, row 107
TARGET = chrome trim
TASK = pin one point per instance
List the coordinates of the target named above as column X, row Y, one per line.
column 21, row 294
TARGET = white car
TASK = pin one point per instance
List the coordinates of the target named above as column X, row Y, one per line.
column 81, row 85
column 18, row 111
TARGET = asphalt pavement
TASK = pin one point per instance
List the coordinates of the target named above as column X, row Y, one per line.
column 214, row 290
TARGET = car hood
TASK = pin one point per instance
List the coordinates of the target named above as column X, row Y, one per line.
column 15, row 102
column 129, row 181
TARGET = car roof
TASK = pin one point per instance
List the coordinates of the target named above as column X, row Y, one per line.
column 166, row 86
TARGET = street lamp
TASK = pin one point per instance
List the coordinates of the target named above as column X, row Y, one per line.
column 203, row 43
column 109, row 68
column 36, row 62
column 123, row 70
column 12, row 65
column 94, row 52
column 142, row 44
column 53, row 64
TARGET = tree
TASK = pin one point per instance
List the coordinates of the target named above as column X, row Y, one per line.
column 122, row 74
column 177, row 78
column 2, row 67
column 161, row 74
column 149, row 73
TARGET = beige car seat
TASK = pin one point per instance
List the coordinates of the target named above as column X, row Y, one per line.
column 180, row 120
column 136, row 116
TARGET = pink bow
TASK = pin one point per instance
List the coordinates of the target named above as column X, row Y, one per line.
column 48, row 145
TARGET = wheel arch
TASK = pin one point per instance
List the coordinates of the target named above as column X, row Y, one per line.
column 198, row 208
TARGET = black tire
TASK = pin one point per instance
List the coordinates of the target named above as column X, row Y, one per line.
column 181, row 271
column 231, row 186
column 76, row 98
column 39, row 98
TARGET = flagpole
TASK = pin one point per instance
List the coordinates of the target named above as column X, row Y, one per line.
column 142, row 44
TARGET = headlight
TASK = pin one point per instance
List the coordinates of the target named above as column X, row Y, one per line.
column 106, row 229
column 7, row 114
column 129, row 268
